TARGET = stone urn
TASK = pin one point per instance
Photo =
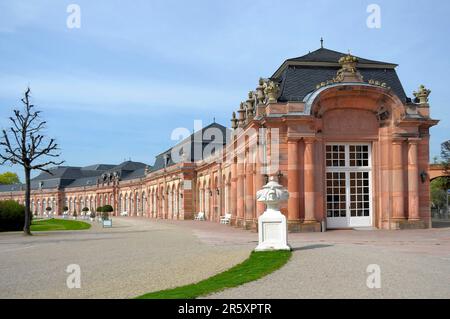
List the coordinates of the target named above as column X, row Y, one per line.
column 272, row 224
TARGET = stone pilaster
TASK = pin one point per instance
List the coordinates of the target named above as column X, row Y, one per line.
column 293, row 185
column 413, row 180
column 309, row 181
column 398, row 187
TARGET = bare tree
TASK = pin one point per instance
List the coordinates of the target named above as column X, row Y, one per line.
column 24, row 144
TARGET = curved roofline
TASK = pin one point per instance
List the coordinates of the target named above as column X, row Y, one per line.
column 311, row 97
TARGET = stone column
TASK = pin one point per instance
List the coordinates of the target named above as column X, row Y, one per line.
column 309, row 181
column 293, row 182
column 249, row 194
column 233, row 195
column 259, row 179
column 398, row 188
column 413, row 180
column 240, row 192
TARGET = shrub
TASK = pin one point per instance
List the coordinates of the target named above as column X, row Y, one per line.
column 65, row 209
column 48, row 209
column 12, row 216
column 99, row 210
column 105, row 215
column 108, row 209
column 92, row 215
column 85, row 209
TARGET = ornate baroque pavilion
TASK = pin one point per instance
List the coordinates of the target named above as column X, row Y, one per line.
column 337, row 131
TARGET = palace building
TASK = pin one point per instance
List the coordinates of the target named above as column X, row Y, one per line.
column 338, row 131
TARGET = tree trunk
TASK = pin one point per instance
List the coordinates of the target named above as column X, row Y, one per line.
column 28, row 215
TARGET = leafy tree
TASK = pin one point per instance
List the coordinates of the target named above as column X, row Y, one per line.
column 9, row 178
column 445, row 155
column 438, row 189
column 24, row 143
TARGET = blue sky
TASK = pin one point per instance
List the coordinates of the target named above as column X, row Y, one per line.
column 116, row 88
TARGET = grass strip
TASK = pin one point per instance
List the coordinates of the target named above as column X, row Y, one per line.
column 58, row 224
column 258, row 265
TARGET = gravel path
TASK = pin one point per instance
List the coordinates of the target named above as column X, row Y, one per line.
column 140, row 255
column 413, row 264
column 135, row 257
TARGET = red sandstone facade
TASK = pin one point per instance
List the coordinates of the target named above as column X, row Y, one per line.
column 351, row 154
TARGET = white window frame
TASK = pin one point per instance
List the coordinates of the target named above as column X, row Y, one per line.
column 349, row 221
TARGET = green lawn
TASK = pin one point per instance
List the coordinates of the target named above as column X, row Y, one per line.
column 58, row 224
column 258, row 265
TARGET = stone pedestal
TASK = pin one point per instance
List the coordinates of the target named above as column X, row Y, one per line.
column 272, row 225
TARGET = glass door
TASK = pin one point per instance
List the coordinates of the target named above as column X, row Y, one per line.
column 348, row 185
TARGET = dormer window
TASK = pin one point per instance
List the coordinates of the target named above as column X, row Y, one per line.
column 166, row 159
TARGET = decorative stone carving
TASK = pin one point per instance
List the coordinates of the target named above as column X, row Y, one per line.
column 272, row 226
column 241, row 112
column 272, row 90
column 250, row 105
column 234, row 121
column 260, row 96
column 378, row 83
column 383, row 113
column 422, row 95
column 347, row 73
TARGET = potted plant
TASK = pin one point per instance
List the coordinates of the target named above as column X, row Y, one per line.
column 85, row 211
column 48, row 210
column 106, row 210
column 99, row 211
column 65, row 211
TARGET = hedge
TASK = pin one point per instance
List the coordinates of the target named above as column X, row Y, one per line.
column 12, row 216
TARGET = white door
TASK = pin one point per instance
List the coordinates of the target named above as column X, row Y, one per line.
column 348, row 185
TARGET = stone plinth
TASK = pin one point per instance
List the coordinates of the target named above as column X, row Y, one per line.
column 272, row 225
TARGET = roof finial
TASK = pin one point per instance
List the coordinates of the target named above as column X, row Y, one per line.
column 321, row 43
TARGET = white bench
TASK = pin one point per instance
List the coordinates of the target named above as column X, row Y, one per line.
column 200, row 216
column 225, row 219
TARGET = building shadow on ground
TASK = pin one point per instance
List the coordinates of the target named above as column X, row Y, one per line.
column 310, row 247
column 441, row 223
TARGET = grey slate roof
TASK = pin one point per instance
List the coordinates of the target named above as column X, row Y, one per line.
column 297, row 82
column 330, row 56
column 72, row 176
column 298, row 78
column 138, row 173
column 197, row 141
